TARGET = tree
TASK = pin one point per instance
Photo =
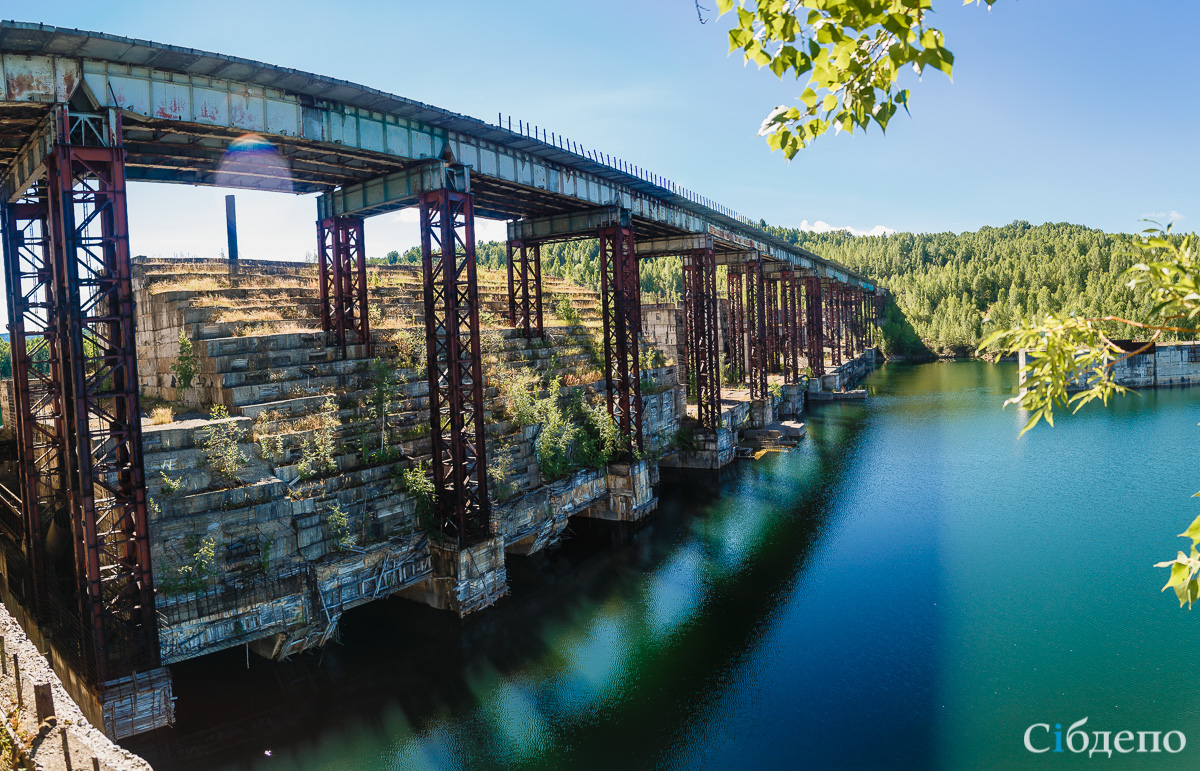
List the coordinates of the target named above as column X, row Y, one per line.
column 852, row 51
column 1069, row 358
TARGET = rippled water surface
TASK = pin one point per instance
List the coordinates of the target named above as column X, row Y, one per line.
column 911, row 588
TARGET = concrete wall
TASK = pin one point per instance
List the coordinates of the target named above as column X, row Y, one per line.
column 1169, row 364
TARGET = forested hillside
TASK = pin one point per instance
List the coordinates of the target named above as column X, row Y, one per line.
column 949, row 289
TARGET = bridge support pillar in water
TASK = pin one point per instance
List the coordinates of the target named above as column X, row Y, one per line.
column 756, row 310
column 737, row 325
column 464, row 579
column 814, row 330
column 525, row 287
column 703, row 336
column 342, row 258
column 68, row 275
column 468, row 559
column 620, row 289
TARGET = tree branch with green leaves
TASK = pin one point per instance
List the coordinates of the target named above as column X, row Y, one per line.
column 852, row 51
column 1069, row 360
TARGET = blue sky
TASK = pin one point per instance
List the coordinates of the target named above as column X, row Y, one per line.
column 1061, row 110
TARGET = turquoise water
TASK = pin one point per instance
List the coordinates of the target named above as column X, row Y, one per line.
column 911, row 588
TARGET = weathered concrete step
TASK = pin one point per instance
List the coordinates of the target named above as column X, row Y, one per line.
column 182, row 434
column 260, row 486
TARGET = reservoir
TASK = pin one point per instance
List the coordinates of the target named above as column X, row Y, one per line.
column 912, row 587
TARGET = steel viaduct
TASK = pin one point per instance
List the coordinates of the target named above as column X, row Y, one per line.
column 83, row 112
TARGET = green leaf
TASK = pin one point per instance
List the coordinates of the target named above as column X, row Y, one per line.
column 1193, row 531
column 724, row 6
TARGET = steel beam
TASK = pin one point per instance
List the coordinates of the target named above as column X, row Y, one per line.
column 342, row 260
column 454, row 361
column 737, row 325
column 351, row 124
column 585, row 223
column 98, row 375
column 621, row 293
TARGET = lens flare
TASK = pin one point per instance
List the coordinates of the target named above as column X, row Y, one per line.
column 252, row 161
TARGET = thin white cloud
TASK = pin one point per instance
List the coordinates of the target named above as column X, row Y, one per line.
column 1169, row 216
column 824, row 227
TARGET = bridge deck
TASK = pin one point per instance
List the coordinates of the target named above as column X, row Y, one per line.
column 182, row 109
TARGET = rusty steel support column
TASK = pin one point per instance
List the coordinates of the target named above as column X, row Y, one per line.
column 689, row 327
column 85, row 180
column 525, row 287
column 737, row 326
column 814, row 325
column 790, row 332
column 771, row 297
column 34, row 319
column 342, row 262
column 620, row 289
column 700, row 300
column 757, row 311
column 454, row 361
column 847, row 305
column 833, row 320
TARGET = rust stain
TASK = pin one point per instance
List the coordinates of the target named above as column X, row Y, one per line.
column 69, row 83
column 22, row 83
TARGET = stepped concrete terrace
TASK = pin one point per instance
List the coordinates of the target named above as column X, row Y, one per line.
column 317, row 518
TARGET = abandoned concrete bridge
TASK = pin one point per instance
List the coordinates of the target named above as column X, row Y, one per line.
column 125, row 549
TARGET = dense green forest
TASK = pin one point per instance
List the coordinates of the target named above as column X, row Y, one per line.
column 948, row 290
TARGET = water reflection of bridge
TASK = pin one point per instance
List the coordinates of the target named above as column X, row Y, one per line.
column 84, row 112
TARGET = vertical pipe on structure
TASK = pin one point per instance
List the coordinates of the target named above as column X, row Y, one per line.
column 231, row 232
column 98, row 370
column 737, row 326
column 453, row 359
column 619, row 286
column 814, row 325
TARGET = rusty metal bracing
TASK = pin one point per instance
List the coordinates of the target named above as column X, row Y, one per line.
column 525, row 287
column 700, row 302
column 771, row 301
column 341, row 255
column 833, row 320
column 854, row 321
column 791, row 331
column 97, row 371
column 620, row 289
column 37, row 393
column 814, row 326
column 454, row 361
column 737, row 326
column 756, row 318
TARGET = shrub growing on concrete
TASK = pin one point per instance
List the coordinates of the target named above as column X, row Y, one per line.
column 221, row 452
column 184, row 366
